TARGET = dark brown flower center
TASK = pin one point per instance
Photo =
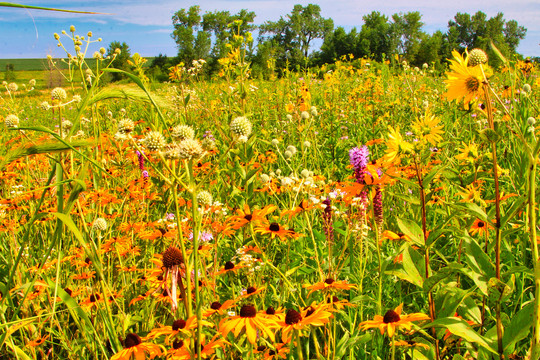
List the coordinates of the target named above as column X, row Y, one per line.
column 391, row 317
column 172, row 256
column 94, row 297
column 472, row 84
column 292, row 317
column 229, row 265
column 68, row 291
column 248, row 217
column 177, row 344
column 271, row 352
column 248, row 311
column 251, row 290
column 216, row 305
column 333, row 299
column 261, row 348
column 310, row 311
column 274, row 227
column 329, row 281
column 132, row 340
column 270, row 311
column 178, row 324
column 481, row 224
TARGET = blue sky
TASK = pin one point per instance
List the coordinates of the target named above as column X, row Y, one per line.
column 146, row 25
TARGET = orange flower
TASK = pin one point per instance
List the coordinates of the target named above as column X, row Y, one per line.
column 313, row 315
column 218, row 308
column 479, row 227
column 247, row 216
column 134, row 348
column 330, row 284
column 249, row 320
column 392, row 321
column 274, row 229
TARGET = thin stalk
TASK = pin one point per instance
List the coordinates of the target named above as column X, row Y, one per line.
column 535, row 348
column 426, row 255
column 489, row 109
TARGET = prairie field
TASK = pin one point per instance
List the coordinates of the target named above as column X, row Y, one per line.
column 360, row 210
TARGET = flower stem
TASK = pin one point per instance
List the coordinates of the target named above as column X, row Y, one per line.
column 489, row 110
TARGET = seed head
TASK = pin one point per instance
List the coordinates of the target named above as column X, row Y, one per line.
column 526, row 88
column 171, row 257
column 154, row 140
column 204, row 198
column 12, row 87
column 59, row 94
column 182, row 132
column 100, row 224
column 190, row 149
column 241, row 126
column 125, row 126
column 11, row 121
column 477, row 57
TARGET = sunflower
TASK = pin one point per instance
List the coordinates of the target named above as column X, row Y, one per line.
column 428, row 129
column 468, row 152
column 250, row 320
column 397, row 146
column 134, row 348
column 392, row 320
column 463, row 81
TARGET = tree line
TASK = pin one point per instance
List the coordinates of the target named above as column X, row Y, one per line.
column 289, row 41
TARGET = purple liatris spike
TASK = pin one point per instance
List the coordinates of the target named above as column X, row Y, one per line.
column 359, row 158
column 141, row 160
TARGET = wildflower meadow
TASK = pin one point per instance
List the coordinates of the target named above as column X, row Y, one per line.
column 363, row 210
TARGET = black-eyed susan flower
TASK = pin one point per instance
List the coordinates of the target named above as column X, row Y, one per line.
column 250, row 321
column 392, row 321
column 479, row 227
column 134, row 348
column 313, row 315
column 218, row 308
column 273, row 229
column 330, row 284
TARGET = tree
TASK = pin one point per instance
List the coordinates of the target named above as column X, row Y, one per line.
column 193, row 43
column 122, row 53
column 376, row 37
column 193, row 33
column 337, row 44
column 295, row 33
column 477, row 31
column 407, row 34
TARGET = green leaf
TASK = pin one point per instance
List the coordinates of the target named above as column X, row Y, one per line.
column 518, row 328
column 481, row 268
column 429, row 177
column 412, row 230
column 460, row 328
